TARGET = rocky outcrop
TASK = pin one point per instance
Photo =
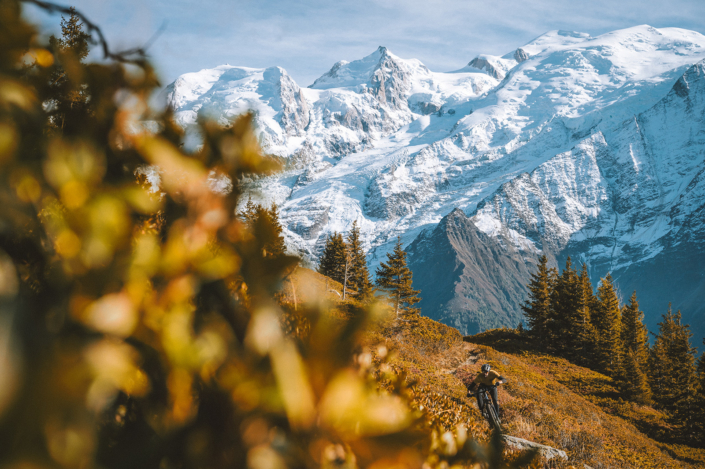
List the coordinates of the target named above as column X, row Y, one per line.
column 481, row 63
column 548, row 452
column 469, row 280
column 520, row 55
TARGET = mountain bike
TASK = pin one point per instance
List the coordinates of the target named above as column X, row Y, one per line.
column 488, row 410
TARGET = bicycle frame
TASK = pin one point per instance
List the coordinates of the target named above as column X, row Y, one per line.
column 488, row 407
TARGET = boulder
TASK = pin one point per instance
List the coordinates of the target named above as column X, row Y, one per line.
column 547, row 452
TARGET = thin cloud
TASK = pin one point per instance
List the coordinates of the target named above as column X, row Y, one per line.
column 308, row 37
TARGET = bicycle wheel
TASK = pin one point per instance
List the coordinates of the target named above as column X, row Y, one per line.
column 494, row 418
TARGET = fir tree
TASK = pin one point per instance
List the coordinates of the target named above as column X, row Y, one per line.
column 673, row 374
column 395, row 277
column 634, row 382
column 634, row 336
column 607, row 322
column 333, row 258
column 275, row 247
column 700, row 401
column 360, row 275
column 248, row 215
column 266, row 226
column 564, row 310
column 584, row 332
column 634, row 333
column 537, row 307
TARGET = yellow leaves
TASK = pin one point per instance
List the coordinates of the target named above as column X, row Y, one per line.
column 8, row 141
column 264, row 332
column 73, row 161
column 112, row 314
column 26, row 185
column 352, row 410
column 14, row 93
column 70, row 444
column 115, row 368
column 42, row 57
column 179, row 172
column 179, row 384
column 67, row 244
column 293, row 385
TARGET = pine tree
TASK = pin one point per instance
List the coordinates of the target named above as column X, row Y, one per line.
column 608, row 323
column 564, row 310
column 276, row 247
column 634, row 382
column 585, row 337
column 634, row 333
column 248, row 215
column 360, row 277
column 537, row 307
column 634, row 337
column 333, row 258
column 69, row 102
column 395, row 277
column 673, row 374
column 700, row 401
column 264, row 223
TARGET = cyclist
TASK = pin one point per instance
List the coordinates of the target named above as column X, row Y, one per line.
column 486, row 379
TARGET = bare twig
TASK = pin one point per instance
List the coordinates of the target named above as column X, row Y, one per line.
column 140, row 53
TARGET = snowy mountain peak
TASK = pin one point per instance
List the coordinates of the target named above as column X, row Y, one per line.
column 358, row 72
column 569, row 144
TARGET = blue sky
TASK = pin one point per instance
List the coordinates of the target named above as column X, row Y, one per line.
column 306, row 37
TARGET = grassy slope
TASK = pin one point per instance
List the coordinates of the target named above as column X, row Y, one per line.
column 547, row 399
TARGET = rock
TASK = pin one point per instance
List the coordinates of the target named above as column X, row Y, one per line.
column 520, row 55
column 483, row 64
column 547, row 452
column 430, row 108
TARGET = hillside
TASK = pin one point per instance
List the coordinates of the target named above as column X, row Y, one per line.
column 547, row 399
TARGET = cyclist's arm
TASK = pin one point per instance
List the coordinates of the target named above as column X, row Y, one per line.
column 501, row 380
column 472, row 385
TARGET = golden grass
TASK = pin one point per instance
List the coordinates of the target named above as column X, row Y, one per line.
column 547, row 399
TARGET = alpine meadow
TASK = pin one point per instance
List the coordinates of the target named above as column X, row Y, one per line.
column 234, row 271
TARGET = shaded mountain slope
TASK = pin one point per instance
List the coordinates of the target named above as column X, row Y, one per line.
column 469, row 280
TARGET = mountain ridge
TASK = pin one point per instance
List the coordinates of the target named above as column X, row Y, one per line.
column 395, row 146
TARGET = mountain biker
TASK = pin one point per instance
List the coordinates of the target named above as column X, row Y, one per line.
column 486, row 379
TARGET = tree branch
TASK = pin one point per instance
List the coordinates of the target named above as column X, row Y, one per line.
column 125, row 56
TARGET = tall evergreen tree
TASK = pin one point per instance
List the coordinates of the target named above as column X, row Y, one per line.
column 276, row 247
column 634, row 336
column 266, row 226
column 395, row 277
column 634, row 333
column 360, row 275
column 537, row 307
column 700, row 401
column 673, row 373
column 564, row 309
column 585, row 337
column 249, row 214
column 333, row 259
column 608, row 323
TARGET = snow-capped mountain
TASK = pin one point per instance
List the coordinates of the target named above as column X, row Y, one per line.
column 570, row 145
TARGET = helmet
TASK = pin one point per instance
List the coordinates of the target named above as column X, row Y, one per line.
column 485, row 368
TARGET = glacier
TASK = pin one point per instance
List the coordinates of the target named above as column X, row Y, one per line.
column 575, row 145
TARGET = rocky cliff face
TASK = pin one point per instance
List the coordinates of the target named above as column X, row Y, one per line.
column 484, row 277
column 570, row 145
